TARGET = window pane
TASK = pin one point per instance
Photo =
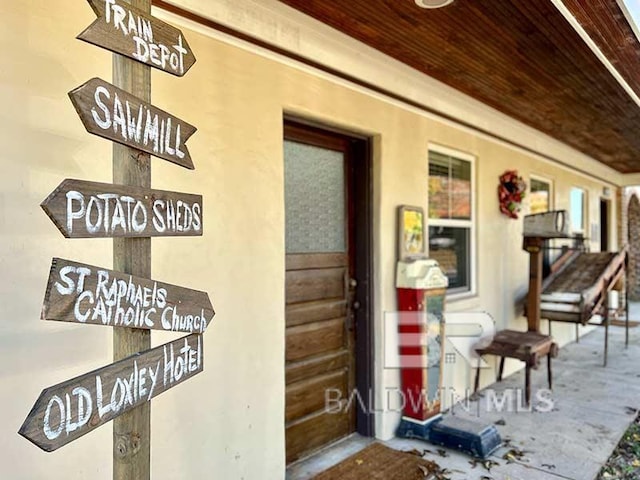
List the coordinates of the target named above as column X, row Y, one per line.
column 451, row 247
column 540, row 200
column 460, row 189
column 449, row 187
column 577, row 209
column 438, row 185
column 314, row 199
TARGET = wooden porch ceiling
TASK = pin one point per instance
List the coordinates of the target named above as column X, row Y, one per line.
column 520, row 57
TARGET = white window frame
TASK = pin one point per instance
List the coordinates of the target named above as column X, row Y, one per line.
column 585, row 206
column 460, row 293
column 548, row 181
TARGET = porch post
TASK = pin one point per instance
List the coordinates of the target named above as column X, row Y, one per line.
column 131, row 431
column 533, row 245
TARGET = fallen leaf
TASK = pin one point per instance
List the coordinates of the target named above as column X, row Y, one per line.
column 513, row 455
column 359, row 462
column 489, row 464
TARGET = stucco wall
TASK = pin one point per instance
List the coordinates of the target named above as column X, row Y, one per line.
column 228, row 421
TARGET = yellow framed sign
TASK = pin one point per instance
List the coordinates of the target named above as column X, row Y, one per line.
column 410, row 232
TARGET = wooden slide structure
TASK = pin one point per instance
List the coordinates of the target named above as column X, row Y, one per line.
column 577, row 290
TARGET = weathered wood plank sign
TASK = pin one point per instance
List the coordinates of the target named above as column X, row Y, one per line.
column 67, row 411
column 133, row 33
column 116, row 115
column 89, row 209
column 86, row 294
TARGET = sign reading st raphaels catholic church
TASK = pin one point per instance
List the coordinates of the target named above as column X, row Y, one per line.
column 81, row 293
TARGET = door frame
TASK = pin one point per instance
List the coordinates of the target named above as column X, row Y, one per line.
column 360, row 185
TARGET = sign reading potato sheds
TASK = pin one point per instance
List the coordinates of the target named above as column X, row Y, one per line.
column 86, row 294
column 89, row 209
column 116, row 115
column 133, row 33
column 73, row 408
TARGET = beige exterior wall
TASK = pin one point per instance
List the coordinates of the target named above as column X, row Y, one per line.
column 228, row 421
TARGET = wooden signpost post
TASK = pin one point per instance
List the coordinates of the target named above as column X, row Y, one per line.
column 131, row 212
column 69, row 410
column 129, row 31
column 82, row 293
column 89, row 209
column 114, row 114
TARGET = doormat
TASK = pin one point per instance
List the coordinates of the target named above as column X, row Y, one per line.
column 377, row 462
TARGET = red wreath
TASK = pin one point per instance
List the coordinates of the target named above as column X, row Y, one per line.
column 511, row 191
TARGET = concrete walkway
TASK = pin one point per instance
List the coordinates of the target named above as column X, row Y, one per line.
column 571, row 439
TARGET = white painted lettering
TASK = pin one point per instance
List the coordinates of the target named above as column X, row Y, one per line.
column 48, row 432
column 64, row 276
column 158, row 218
column 197, row 224
column 82, row 317
column 93, row 227
column 136, row 224
column 103, row 123
column 71, row 213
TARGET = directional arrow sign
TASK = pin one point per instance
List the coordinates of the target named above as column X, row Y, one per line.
column 73, row 408
column 116, row 115
column 82, row 293
column 129, row 31
column 88, row 209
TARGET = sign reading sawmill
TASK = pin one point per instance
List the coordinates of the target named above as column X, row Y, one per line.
column 116, row 115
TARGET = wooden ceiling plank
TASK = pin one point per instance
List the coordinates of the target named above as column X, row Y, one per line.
column 522, row 58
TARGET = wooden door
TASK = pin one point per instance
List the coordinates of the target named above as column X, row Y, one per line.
column 320, row 332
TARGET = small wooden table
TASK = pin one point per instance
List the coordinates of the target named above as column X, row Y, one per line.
column 528, row 347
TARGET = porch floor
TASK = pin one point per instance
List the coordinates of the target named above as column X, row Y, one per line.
column 570, row 439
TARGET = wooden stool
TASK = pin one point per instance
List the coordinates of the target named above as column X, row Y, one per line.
column 526, row 346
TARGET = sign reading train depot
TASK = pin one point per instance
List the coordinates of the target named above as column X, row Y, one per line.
column 129, row 31
column 86, row 294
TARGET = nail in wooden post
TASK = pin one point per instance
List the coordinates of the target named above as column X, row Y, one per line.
column 131, row 431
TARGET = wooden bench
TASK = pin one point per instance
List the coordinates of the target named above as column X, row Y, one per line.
column 528, row 347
